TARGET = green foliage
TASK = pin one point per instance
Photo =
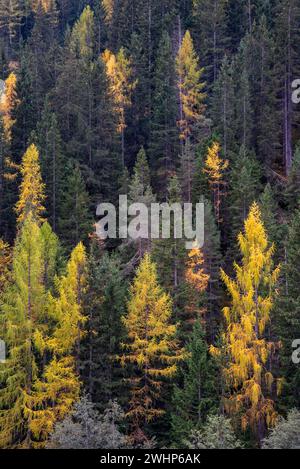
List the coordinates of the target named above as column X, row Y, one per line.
column 197, row 397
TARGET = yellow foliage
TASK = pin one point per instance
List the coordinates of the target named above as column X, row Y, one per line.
column 190, row 86
column 58, row 389
column 252, row 296
column 152, row 345
column 195, row 274
column 32, row 188
column 8, row 102
column 121, row 83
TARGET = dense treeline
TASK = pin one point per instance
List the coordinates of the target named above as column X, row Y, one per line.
column 145, row 343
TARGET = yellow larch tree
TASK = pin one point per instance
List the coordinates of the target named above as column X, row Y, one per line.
column 195, row 274
column 152, row 348
column 121, row 84
column 8, row 102
column 58, row 389
column 197, row 281
column 32, row 188
column 214, row 167
column 5, row 261
column 191, row 96
column 248, row 352
column 108, row 7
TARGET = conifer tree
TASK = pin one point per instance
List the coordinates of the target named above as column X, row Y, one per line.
column 223, row 107
column 120, row 77
column 164, row 139
column 7, row 104
column 287, row 313
column 5, row 260
column 292, row 193
column 287, row 49
column 24, row 313
column 170, row 256
column 212, row 262
column 269, row 209
column 191, row 95
column 215, row 166
column 75, row 221
column 86, row 121
column 32, row 188
column 24, row 113
column 11, row 15
column 152, row 347
column 140, row 191
column 249, row 380
column 104, row 304
column 50, row 149
column 56, row 391
column 209, row 21
column 244, row 186
column 197, row 397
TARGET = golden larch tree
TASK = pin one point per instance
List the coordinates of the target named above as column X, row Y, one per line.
column 8, row 103
column 121, row 84
column 108, row 7
column 190, row 86
column 248, row 352
column 152, row 347
column 58, row 389
column 214, row 167
column 32, row 188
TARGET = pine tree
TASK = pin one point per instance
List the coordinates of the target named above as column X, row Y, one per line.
column 269, row 213
column 50, row 149
column 247, row 374
column 209, row 27
column 11, row 14
column 287, row 50
column 190, row 87
column 32, row 188
column 24, row 113
column 75, row 221
column 292, row 193
column 187, row 171
column 140, row 191
column 244, row 186
column 212, row 262
column 223, row 107
column 197, row 397
column 170, row 257
column 84, row 110
column 287, row 313
column 164, row 140
column 104, row 304
column 151, row 349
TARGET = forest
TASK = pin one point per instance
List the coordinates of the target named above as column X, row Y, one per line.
column 143, row 343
